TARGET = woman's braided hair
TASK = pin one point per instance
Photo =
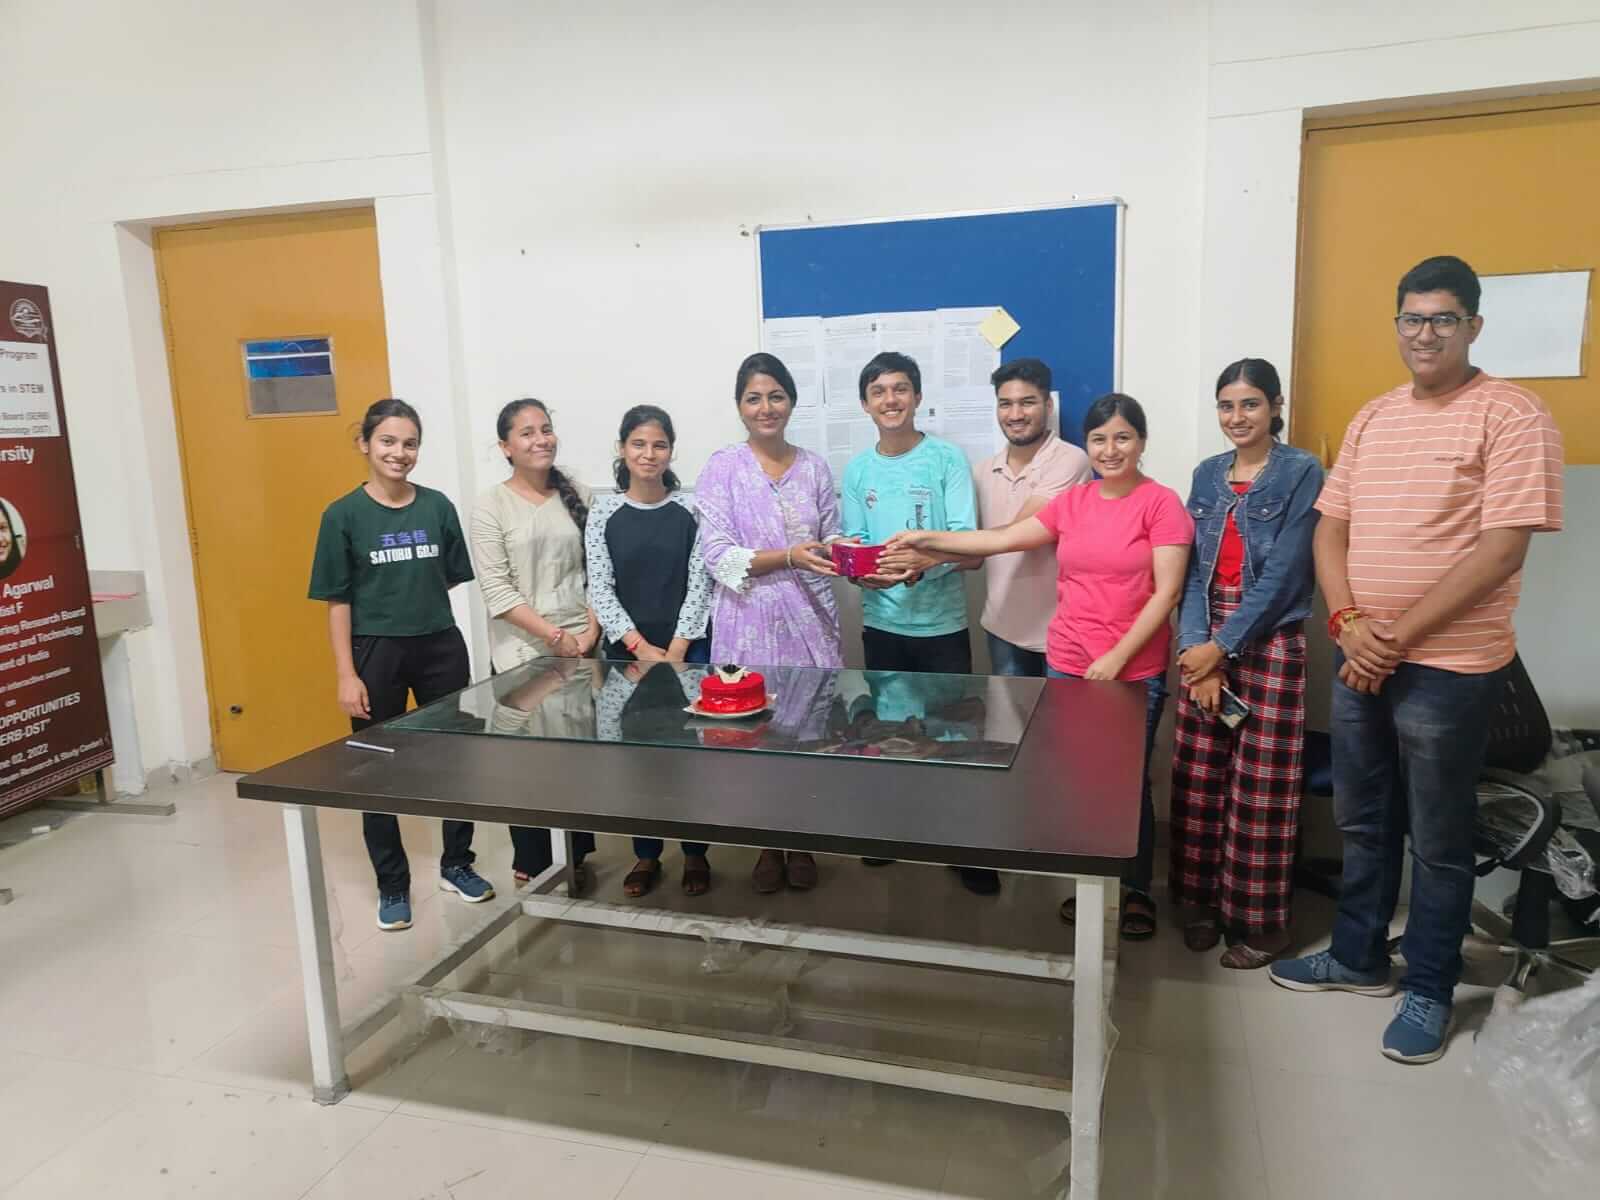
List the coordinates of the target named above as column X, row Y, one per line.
column 565, row 488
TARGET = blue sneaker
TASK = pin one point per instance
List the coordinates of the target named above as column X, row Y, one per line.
column 1417, row 1033
column 466, row 883
column 1322, row 972
column 394, row 912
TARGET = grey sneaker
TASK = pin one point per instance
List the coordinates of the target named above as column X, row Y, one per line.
column 1419, row 1029
column 1322, row 972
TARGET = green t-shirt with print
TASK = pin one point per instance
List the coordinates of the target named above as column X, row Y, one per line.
column 393, row 566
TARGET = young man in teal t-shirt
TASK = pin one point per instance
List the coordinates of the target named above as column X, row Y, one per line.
column 910, row 620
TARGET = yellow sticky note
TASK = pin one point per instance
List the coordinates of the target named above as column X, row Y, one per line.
column 999, row 327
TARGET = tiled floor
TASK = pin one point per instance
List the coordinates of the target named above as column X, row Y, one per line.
column 152, row 1044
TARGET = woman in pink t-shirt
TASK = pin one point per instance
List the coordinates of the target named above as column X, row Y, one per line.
column 1122, row 545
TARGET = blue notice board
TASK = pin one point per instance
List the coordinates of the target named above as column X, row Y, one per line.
column 1054, row 269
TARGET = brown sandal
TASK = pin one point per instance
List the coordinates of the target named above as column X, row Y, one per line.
column 1138, row 917
column 802, row 871
column 1202, row 934
column 768, row 875
column 641, row 881
column 696, row 875
column 1245, row 957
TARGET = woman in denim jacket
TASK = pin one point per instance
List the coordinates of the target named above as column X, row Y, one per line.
column 1236, row 791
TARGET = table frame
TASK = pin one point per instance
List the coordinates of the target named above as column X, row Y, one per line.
column 1090, row 971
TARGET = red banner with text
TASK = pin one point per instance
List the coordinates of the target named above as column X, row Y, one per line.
column 53, row 723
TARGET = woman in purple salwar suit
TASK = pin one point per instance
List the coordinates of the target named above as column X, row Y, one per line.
column 767, row 509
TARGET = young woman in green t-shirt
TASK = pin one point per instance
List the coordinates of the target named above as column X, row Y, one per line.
column 387, row 555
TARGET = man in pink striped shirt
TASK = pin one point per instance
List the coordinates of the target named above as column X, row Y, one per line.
column 1426, row 519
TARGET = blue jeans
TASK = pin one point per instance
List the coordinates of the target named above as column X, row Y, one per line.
column 1007, row 658
column 1408, row 760
column 1138, row 873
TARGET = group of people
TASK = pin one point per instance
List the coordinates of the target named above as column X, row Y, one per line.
column 1416, row 539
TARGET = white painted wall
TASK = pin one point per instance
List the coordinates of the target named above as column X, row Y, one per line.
column 563, row 192
column 607, row 162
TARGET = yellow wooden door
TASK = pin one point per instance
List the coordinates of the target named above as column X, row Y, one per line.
column 244, row 300
column 1509, row 187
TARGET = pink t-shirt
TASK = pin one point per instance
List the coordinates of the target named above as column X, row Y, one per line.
column 1105, row 556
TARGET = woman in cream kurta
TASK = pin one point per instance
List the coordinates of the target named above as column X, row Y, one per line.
column 527, row 545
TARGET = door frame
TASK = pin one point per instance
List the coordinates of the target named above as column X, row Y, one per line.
column 424, row 362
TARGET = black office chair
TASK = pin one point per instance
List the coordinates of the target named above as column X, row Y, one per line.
column 1520, row 828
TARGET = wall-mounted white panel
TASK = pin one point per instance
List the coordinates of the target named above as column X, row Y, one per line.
column 1533, row 325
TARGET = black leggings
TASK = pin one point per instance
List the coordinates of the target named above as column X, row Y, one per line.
column 429, row 667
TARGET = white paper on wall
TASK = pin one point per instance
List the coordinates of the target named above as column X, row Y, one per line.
column 826, row 354
column 1533, row 325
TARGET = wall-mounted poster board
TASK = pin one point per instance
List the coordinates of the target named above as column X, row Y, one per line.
column 960, row 294
column 53, row 725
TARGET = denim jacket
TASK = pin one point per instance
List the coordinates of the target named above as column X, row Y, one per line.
column 1276, row 520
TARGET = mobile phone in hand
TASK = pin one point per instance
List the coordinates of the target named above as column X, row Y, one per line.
column 1232, row 711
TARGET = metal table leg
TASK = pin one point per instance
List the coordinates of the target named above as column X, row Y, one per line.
column 1088, row 1035
column 329, row 1083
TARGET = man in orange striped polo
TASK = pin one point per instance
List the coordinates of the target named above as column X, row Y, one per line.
column 1426, row 519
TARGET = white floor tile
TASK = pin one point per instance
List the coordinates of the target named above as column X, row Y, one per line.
column 670, row 1179
column 412, row 1156
column 1437, row 1138
column 47, row 1104
column 184, row 1139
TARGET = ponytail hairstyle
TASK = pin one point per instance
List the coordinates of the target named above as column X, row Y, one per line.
column 644, row 414
column 565, row 488
column 1261, row 375
column 382, row 410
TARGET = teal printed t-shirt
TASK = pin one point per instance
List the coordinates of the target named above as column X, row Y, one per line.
column 928, row 487
column 394, row 567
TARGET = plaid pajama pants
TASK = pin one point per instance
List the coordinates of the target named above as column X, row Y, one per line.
column 1236, row 792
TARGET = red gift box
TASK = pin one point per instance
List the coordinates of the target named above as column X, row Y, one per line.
column 854, row 561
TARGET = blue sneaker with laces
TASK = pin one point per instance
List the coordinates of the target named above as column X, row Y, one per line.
column 466, row 883
column 1419, row 1029
column 394, row 911
column 1322, row 972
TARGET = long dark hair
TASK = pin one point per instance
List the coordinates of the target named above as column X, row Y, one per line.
column 1261, row 375
column 13, row 559
column 644, row 414
column 564, row 487
column 381, row 410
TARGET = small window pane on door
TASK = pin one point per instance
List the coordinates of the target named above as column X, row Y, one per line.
column 285, row 376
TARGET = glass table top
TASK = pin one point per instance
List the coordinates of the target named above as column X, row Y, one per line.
column 968, row 720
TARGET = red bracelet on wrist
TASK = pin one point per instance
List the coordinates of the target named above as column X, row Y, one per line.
column 1341, row 620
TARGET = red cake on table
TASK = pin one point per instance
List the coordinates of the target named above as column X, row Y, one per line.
column 731, row 690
